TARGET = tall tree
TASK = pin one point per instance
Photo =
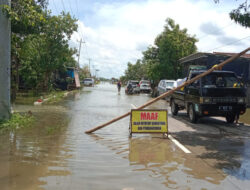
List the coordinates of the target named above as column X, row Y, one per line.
column 241, row 14
column 152, row 63
column 171, row 45
column 39, row 43
column 161, row 61
column 26, row 18
column 135, row 71
column 56, row 54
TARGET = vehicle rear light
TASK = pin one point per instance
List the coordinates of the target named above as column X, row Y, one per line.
column 242, row 112
column 205, row 112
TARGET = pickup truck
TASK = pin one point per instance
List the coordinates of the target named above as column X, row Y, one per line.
column 218, row 94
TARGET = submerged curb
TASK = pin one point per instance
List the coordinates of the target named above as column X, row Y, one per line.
column 41, row 101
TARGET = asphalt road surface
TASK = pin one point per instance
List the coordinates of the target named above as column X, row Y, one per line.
column 57, row 154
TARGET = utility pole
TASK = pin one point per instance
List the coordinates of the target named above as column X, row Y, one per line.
column 96, row 73
column 93, row 70
column 5, row 40
column 89, row 67
column 79, row 53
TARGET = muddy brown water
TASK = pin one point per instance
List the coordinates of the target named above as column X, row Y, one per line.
column 55, row 153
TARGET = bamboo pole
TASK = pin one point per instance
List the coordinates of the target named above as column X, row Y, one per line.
column 172, row 91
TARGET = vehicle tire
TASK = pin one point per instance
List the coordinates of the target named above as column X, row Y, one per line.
column 191, row 113
column 230, row 118
column 174, row 108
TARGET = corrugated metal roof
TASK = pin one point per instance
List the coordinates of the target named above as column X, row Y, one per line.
column 193, row 57
column 203, row 55
column 231, row 54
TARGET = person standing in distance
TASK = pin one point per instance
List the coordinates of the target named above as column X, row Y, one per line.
column 119, row 84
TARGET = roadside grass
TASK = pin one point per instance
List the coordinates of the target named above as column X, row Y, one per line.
column 16, row 121
column 55, row 96
column 26, row 99
column 50, row 130
column 49, row 98
column 55, row 128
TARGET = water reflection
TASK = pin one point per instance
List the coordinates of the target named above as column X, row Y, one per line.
column 28, row 155
column 241, row 170
column 162, row 161
column 145, row 151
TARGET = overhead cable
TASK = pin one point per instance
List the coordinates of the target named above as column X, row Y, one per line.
column 228, row 44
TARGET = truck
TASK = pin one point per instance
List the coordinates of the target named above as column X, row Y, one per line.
column 220, row 93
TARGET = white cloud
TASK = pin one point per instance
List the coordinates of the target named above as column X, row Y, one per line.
column 122, row 30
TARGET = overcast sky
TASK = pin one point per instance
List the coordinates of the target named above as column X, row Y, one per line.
column 116, row 32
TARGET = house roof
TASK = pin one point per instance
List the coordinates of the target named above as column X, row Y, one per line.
column 231, row 54
column 199, row 55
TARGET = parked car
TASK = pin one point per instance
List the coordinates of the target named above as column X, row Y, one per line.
column 145, row 86
column 135, row 87
column 88, row 82
column 179, row 82
column 164, row 86
column 220, row 93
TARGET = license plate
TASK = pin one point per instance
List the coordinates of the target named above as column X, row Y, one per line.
column 225, row 108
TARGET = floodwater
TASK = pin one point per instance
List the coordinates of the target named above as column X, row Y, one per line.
column 56, row 153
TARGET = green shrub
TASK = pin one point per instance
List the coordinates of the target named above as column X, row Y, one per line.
column 17, row 121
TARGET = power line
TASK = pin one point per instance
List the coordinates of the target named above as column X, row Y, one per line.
column 228, row 44
column 70, row 8
column 77, row 9
column 85, row 44
column 220, row 29
column 63, row 6
column 86, row 50
column 81, row 33
column 55, row 7
column 80, row 29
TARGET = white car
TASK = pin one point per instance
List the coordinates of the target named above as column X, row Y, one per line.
column 88, row 82
column 164, row 86
column 179, row 82
column 145, row 86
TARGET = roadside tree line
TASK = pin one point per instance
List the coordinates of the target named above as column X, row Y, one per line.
column 160, row 61
column 40, row 52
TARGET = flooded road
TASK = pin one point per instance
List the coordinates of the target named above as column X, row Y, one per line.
column 57, row 154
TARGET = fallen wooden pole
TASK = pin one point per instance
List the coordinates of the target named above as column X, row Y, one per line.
column 172, row 91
